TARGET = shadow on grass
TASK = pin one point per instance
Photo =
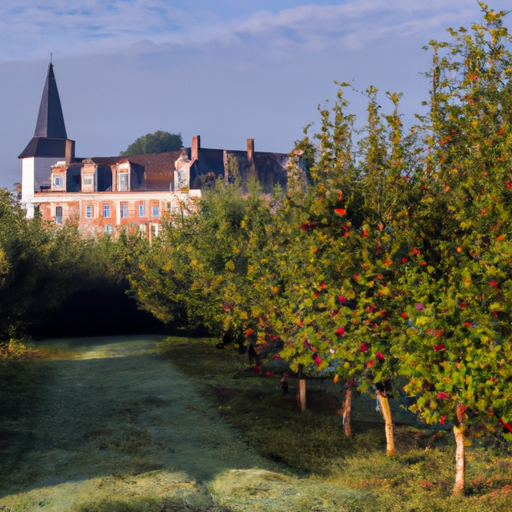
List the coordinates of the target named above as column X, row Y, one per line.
column 188, row 502
column 120, row 409
column 118, row 428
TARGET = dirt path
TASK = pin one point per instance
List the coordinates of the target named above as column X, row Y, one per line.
column 117, row 427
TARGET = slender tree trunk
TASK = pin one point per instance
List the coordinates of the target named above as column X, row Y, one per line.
column 302, row 389
column 460, row 462
column 346, row 410
column 388, row 422
column 302, row 394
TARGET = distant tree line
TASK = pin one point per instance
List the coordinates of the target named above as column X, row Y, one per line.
column 55, row 282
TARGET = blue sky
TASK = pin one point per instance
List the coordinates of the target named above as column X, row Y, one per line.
column 226, row 70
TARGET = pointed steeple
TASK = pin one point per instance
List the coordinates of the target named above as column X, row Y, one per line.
column 50, row 139
column 50, row 121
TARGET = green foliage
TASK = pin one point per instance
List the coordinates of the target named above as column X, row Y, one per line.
column 40, row 267
column 157, row 142
column 456, row 345
column 197, row 271
column 389, row 255
column 401, row 263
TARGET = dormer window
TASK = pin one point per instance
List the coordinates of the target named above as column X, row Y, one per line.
column 89, row 178
column 123, row 181
column 58, row 177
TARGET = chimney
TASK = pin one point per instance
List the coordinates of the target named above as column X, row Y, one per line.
column 250, row 152
column 225, row 162
column 70, row 151
column 196, row 146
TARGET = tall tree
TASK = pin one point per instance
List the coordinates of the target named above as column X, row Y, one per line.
column 157, row 142
column 457, row 312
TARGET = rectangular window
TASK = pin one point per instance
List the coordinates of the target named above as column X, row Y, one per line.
column 141, row 209
column 106, row 210
column 109, row 229
column 124, row 210
column 88, row 180
column 58, row 215
column 155, row 211
column 123, row 181
column 88, row 211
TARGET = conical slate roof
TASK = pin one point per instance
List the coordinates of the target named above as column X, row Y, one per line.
column 50, row 121
column 50, row 136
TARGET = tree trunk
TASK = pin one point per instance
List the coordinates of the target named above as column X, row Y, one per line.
column 346, row 410
column 302, row 394
column 388, row 422
column 460, row 463
column 302, row 388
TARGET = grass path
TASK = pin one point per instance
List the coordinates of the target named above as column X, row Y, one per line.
column 114, row 426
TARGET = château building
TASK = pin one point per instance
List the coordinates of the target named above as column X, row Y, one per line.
column 106, row 194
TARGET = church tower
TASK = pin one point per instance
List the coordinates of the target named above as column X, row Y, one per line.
column 49, row 145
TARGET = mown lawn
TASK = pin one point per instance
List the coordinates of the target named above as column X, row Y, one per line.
column 142, row 425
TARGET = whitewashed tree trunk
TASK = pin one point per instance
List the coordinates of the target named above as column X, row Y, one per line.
column 388, row 422
column 460, row 459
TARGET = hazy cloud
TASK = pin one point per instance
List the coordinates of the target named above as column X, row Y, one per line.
column 30, row 29
column 222, row 69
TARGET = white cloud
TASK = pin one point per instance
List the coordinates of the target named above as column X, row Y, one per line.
column 32, row 29
column 225, row 76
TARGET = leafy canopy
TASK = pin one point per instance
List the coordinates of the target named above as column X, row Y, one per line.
column 157, row 142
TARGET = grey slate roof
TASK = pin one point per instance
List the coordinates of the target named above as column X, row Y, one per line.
column 50, row 136
column 156, row 169
column 50, row 121
column 42, row 146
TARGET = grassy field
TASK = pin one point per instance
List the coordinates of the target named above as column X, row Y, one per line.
column 313, row 446
column 129, row 424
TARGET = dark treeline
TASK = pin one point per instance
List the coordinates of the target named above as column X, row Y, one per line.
column 55, row 283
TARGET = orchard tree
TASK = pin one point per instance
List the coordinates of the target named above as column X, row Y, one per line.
column 340, row 246
column 457, row 308
column 196, row 272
